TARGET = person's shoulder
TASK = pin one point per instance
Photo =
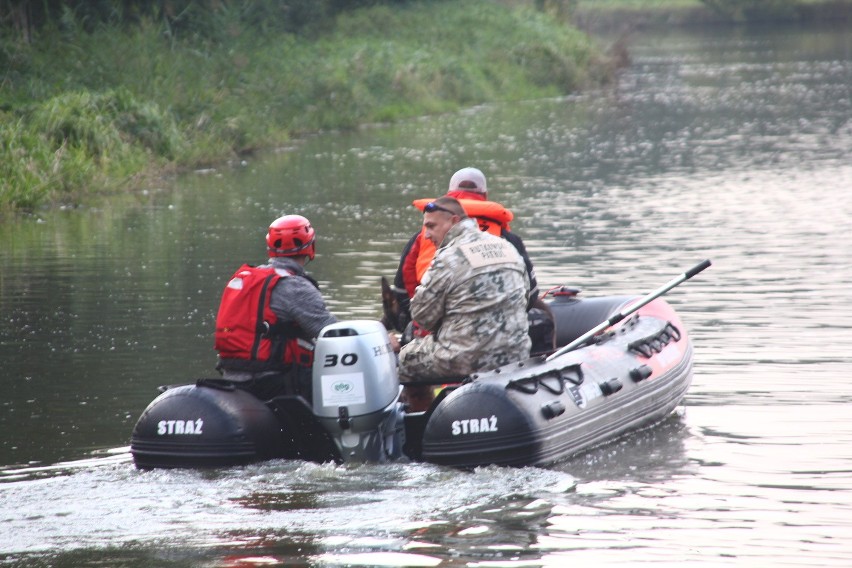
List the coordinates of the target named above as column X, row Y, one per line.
column 303, row 285
column 413, row 244
column 517, row 242
column 511, row 237
column 474, row 241
column 486, row 236
column 286, row 265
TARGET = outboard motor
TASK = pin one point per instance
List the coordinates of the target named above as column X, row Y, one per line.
column 356, row 391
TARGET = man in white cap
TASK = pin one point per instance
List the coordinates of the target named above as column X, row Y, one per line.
column 473, row 300
column 469, row 186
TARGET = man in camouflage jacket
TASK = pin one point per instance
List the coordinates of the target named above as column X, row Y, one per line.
column 473, row 300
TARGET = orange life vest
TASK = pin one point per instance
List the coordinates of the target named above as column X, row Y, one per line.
column 491, row 216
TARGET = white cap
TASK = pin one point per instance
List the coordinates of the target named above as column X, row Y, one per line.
column 468, row 179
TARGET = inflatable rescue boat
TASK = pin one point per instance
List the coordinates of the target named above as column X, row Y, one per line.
column 630, row 370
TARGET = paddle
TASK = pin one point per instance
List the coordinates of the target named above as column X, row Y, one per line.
column 628, row 311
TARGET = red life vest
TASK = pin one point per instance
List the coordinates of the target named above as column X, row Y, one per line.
column 248, row 335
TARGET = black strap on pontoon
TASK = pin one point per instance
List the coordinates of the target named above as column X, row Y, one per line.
column 655, row 342
column 552, row 381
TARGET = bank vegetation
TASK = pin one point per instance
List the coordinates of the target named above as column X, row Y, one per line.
column 101, row 101
column 102, row 96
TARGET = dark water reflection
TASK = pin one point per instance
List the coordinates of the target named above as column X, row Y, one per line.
column 732, row 145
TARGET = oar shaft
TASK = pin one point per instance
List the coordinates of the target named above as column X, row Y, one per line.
column 674, row 282
column 630, row 309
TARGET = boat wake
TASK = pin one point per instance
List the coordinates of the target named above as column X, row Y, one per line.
column 105, row 502
column 32, row 471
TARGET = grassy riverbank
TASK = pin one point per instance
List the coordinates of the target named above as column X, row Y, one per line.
column 99, row 109
column 88, row 111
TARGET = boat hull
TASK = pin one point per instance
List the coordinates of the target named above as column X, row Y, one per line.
column 538, row 412
column 204, row 426
column 533, row 412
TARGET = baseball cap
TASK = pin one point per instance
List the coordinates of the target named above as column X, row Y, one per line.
column 468, row 179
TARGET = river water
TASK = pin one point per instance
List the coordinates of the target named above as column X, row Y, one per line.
column 728, row 144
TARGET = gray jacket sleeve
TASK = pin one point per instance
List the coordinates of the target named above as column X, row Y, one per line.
column 296, row 299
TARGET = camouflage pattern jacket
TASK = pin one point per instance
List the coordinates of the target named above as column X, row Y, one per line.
column 473, row 299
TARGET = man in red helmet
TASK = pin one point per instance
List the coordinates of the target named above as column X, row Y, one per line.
column 270, row 315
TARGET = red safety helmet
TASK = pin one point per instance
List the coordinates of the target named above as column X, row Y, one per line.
column 291, row 235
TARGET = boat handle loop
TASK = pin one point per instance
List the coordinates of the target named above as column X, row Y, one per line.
column 530, row 385
column 548, row 385
column 655, row 343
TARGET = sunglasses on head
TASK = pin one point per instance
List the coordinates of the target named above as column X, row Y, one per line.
column 432, row 207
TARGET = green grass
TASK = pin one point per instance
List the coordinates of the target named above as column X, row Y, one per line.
column 638, row 4
column 87, row 112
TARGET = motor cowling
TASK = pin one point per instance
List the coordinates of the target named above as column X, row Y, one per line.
column 356, row 390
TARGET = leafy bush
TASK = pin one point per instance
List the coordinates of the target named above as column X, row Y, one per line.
column 105, row 124
column 90, row 108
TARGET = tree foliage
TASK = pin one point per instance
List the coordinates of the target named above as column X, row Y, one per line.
column 26, row 17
